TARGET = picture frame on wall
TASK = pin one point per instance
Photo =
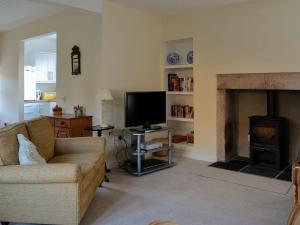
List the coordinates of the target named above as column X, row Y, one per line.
column 75, row 60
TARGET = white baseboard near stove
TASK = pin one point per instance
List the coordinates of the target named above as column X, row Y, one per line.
column 193, row 154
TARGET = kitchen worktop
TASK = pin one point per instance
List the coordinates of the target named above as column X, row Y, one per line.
column 35, row 108
column 65, row 116
column 39, row 101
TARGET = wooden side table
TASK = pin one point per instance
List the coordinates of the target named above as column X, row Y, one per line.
column 67, row 125
column 99, row 129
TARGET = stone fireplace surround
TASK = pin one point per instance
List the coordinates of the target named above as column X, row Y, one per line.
column 226, row 118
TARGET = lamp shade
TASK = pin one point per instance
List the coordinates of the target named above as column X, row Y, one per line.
column 105, row 95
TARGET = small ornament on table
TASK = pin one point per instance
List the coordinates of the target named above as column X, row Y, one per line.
column 57, row 111
column 78, row 111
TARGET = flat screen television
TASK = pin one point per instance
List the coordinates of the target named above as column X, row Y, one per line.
column 145, row 108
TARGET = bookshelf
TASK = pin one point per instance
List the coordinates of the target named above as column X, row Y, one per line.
column 189, row 66
column 180, row 93
column 188, row 120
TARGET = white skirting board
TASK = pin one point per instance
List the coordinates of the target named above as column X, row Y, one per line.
column 193, row 154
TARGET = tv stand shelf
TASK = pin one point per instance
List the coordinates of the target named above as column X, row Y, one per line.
column 142, row 152
column 140, row 167
column 131, row 169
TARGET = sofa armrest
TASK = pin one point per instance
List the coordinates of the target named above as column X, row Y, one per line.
column 296, row 182
column 40, row 174
column 296, row 174
column 79, row 145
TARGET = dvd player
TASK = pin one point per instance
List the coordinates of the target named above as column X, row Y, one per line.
column 149, row 145
column 145, row 130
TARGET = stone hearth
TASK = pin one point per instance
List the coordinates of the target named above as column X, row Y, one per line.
column 227, row 84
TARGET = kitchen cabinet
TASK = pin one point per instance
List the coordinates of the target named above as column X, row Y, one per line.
column 36, row 109
column 45, row 63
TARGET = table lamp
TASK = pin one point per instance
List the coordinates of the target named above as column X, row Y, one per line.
column 104, row 96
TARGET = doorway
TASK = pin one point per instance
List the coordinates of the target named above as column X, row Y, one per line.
column 39, row 75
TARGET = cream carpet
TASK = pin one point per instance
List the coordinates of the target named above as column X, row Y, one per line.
column 191, row 193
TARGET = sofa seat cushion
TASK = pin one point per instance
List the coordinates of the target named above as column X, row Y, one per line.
column 90, row 164
column 9, row 145
column 41, row 133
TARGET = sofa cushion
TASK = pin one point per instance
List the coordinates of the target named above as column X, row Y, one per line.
column 28, row 154
column 9, row 146
column 90, row 164
column 86, row 161
column 41, row 133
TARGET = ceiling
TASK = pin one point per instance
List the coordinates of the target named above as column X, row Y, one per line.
column 169, row 7
column 14, row 13
column 89, row 5
column 17, row 12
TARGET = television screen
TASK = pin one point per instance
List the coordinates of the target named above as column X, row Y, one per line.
column 145, row 108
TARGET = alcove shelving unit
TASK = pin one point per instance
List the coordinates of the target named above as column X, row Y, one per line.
column 184, row 97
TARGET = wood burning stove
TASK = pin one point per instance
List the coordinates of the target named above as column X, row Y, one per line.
column 268, row 139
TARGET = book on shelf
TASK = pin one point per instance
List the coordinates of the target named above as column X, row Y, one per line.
column 184, row 84
column 182, row 111
column 171, row 81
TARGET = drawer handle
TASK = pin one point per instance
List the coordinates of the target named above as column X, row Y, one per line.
column 61, row 134
column 62, row 123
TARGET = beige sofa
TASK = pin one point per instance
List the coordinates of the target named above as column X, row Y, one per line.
column 56, row 193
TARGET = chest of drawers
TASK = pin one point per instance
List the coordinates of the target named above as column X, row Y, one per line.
column 67, row 125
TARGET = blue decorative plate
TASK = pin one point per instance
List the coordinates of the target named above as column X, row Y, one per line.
column 173, row 58
column 190, row 57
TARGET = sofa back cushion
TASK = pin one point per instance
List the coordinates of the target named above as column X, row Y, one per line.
column 9, row 146
column 41, row 133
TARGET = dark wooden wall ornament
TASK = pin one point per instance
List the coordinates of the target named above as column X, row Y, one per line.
column 75, row 57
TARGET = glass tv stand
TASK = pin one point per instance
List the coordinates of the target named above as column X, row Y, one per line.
column 138, row 166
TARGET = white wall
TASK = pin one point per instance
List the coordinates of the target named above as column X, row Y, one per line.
column 131, row 48
column 120, row 51
column 125, row 55
column 257, row 36
column 128, row 40
column 73, row 28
